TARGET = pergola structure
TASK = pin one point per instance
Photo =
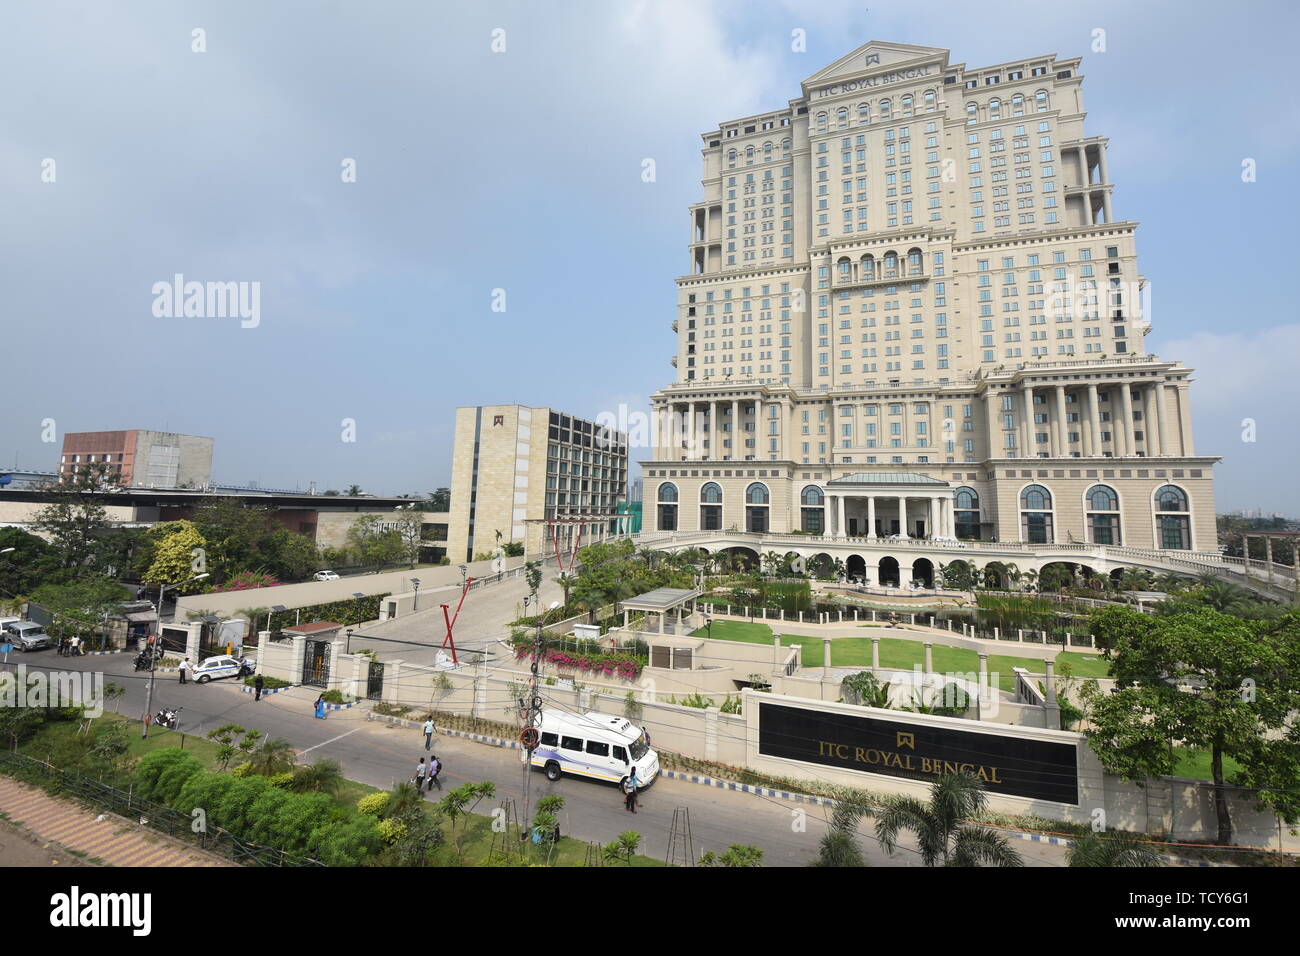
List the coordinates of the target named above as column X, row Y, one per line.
column 1269, row 563
column 877, row 505
column 662, row 601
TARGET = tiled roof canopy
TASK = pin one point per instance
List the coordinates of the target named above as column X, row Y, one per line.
column 886, row 478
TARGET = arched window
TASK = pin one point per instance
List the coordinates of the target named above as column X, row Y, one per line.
column 749, row 155
column 842, row 116
column 731, row 158
column 914, row 267
column 711, row 507
column 785, row 146
column 966, row 513
column 757, row 499
column 667, row 506
column 812, row 512
column 884, row 108
column 845, row 269
column 1173, row 519
column 995, row 108
column 1040, row 101
column 1036, row 515
column 929, row 101
column 891, row 265
column 864, row 112
column 972, row 113
column 907, row 105
column 1018, row 105
column 868, row 265
column 767, row 150
column 1101, row 507
column 821, row 121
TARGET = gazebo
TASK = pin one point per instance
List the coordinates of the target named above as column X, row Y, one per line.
column 661, row 601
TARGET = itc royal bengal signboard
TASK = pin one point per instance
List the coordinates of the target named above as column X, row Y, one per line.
column 1016, row 766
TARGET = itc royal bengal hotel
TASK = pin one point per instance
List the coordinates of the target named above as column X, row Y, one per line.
column 912, row 309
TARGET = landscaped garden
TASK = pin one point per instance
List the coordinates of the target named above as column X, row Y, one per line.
column 900, row 654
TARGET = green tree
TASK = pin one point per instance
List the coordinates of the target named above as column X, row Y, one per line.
column 31, row 563
column 274, row 756
column 1207, row 680
column 173, row 562
column 624, row 848
column 941, row 826
column 76, row 520
column 374, row 545
column 839, row 847
column 736, row 855
column 81, row 606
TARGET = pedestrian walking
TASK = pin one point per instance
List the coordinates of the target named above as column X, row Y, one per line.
column 319, row 707
column 419, row 778
column 428, row 733
column 258, row 684
column 184, row 670
column 629, row 791
column 435, row 768
column 74, row 646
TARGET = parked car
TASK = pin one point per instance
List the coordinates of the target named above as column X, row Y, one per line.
column 214, row 668
column 27, row 636
column 326, row 576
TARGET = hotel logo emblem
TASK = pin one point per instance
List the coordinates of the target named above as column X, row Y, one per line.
column 905, row 739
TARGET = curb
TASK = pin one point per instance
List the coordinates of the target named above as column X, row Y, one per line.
column 466, row 735
column 280, row 690
column 1067, row 841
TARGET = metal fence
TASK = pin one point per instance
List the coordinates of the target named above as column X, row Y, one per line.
column 162, row 818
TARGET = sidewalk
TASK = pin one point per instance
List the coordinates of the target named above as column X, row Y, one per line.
column 98, row 838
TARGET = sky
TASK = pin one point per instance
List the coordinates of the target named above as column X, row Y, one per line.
column 222, row 156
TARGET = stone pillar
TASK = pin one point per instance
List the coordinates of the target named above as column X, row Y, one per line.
column 1062, row 429
column 1092, row 434
column 758, row 427
column 902, row 522
column 1126, row 402
column 934, row 529
column 929, row 658
column 733, row 432
column 839, row 505
column 1162, row 419
column 1052, row 708
column 875, row 654
column 1185, row 418
column 871, row 516
column 991, row 415
column 826, row 658
column 1027, row 420
column 984, row 682
column 689, row 431
column 714, row 441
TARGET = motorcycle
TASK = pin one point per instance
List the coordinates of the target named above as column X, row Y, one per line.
column 144, row 661
column 168, row 717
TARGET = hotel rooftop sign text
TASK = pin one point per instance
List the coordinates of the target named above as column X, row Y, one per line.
column 873, row 82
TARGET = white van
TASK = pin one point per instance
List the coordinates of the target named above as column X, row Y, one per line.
column 594, row 745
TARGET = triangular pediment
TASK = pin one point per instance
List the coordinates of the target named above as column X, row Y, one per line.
column 876, row 56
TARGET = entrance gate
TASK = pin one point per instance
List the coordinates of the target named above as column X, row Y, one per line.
column 375, row 681
column 316, row 663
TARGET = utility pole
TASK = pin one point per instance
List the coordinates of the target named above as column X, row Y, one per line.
column 153, row 657
column 531, row 712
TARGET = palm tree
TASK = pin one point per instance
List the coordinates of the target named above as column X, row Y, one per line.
column 839, row 569
column 840, row 847
column 772, row 560
column 942, row 832
column 323, row 776
column 273, row 757
column 1111, row 851
column 1222, row 596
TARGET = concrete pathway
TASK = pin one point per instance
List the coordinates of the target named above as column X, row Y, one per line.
column 94, row 837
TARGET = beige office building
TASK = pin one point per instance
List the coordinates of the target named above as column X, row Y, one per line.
column 532, row 475
column 912, row 308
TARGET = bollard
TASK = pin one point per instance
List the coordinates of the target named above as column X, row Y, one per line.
column 996, row 637
column 1020, row 636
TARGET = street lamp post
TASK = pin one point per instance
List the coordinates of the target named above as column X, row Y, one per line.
column 415, row 582
column 153, row 658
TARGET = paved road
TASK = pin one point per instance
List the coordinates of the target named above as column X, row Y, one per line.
column 377, row 754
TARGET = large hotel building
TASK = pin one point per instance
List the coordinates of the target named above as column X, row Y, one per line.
column 912, row 308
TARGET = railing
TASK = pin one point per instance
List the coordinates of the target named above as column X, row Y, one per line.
column 163, row 818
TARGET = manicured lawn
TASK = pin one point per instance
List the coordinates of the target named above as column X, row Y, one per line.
column 1195, row 763
column 901, row 654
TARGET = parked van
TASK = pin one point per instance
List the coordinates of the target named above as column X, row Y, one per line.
column 28, row 636
column 594, row 745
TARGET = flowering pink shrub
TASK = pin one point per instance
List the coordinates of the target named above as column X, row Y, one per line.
column 246, row 581
column 603, row 665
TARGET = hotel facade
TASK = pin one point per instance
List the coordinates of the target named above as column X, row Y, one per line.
column 912, row 309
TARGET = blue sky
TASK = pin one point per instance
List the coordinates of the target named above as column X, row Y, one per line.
column 522, row 171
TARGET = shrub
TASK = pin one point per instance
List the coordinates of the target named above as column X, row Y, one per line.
column 154, row 765
column 268, row 683
column 391, row 831
column 243, row 770
column 373, row 803
column 281, row 780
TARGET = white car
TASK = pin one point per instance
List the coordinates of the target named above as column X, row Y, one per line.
column 326, row 576
column 215, row 668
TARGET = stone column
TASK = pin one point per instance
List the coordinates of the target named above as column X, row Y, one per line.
column 758, row 427
column 1052, row 708
column 1084, row 178
column 1126, row 400
column 839, row 504
column 902, row 521
column 1062, row 431
column 991, row 415
column 734, row 433
column 1185, row 418
column 934, row 529
column 1027, row 420
column 714, row 440
column 929, row 658
column 1087, row 431
column 826, row 658
column 871, row 516
column 875, row 654
column 1162, row 419
column 1104, row 175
